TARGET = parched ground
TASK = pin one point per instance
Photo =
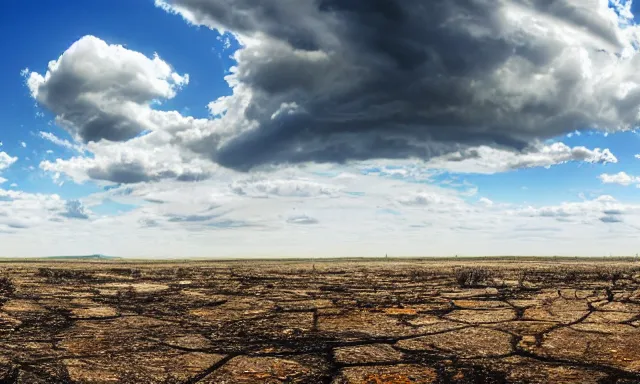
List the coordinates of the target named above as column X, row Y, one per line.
column 340, row 322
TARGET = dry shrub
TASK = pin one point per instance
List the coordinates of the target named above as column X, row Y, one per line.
column 136, row 273
column 132, row 272
column 58, row 275
column 612, row 274
column 473, row 276
column 7, row 289
column 422, row 275
column 570, row 276
column 522, row 275
column 128, row 293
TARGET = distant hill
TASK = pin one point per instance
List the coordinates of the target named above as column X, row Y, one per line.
column 86, row 257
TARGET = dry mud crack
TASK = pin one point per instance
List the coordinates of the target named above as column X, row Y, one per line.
column 407, row 321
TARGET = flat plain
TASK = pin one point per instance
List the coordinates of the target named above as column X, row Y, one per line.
column 335, row 321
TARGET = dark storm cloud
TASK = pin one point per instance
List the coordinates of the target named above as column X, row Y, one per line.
column 338, row 80
column 119, row 173
column 136, row 172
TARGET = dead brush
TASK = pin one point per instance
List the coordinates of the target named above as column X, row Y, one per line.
column 7, row 289
column 612, row 274
column 136, row 273
column 521, row 276
column 128, row 293
column 181, row 272
column 422, row 275
column 569, row 276
column 473, row 276
column 59, row 275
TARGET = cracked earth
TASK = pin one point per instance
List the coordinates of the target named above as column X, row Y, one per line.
column 338, row 322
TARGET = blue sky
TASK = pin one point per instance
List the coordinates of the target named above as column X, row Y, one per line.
column 285, row 166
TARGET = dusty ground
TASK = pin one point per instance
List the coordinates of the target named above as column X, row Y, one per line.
column 391, row 321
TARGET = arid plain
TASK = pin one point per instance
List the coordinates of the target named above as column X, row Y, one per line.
column 336, row 321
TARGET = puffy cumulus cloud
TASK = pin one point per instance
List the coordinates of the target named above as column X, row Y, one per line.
column 424, row 198
column 331, row 81
column 604, row 208
column 486, row 202
column 103, row 95
column 6, row 161
column 74, row 209
column 256, row 187
column 489, row 160
column 147, row 158
column 21, row 210
column 621, row 178
column 100, row 91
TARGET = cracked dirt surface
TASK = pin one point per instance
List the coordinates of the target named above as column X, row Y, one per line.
column 372, row 322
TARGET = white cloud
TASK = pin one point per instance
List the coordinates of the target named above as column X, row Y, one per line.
column 574, row 133
column 485, row 201
column 389, row 216
column 6, row 160
column 23, row 144
column 306, row 206
column 74, row 209
column 621, row 178
column 24, row 213
column 423, row 198
column 113, row 106
column 60, row 142
column 491, row 160
column 21, row 210
column 604, row 208
column 302, row 220
column 264, row 187
column 147, row 158
column 100, row 91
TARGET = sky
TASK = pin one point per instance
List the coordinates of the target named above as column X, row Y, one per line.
column 319, row 128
